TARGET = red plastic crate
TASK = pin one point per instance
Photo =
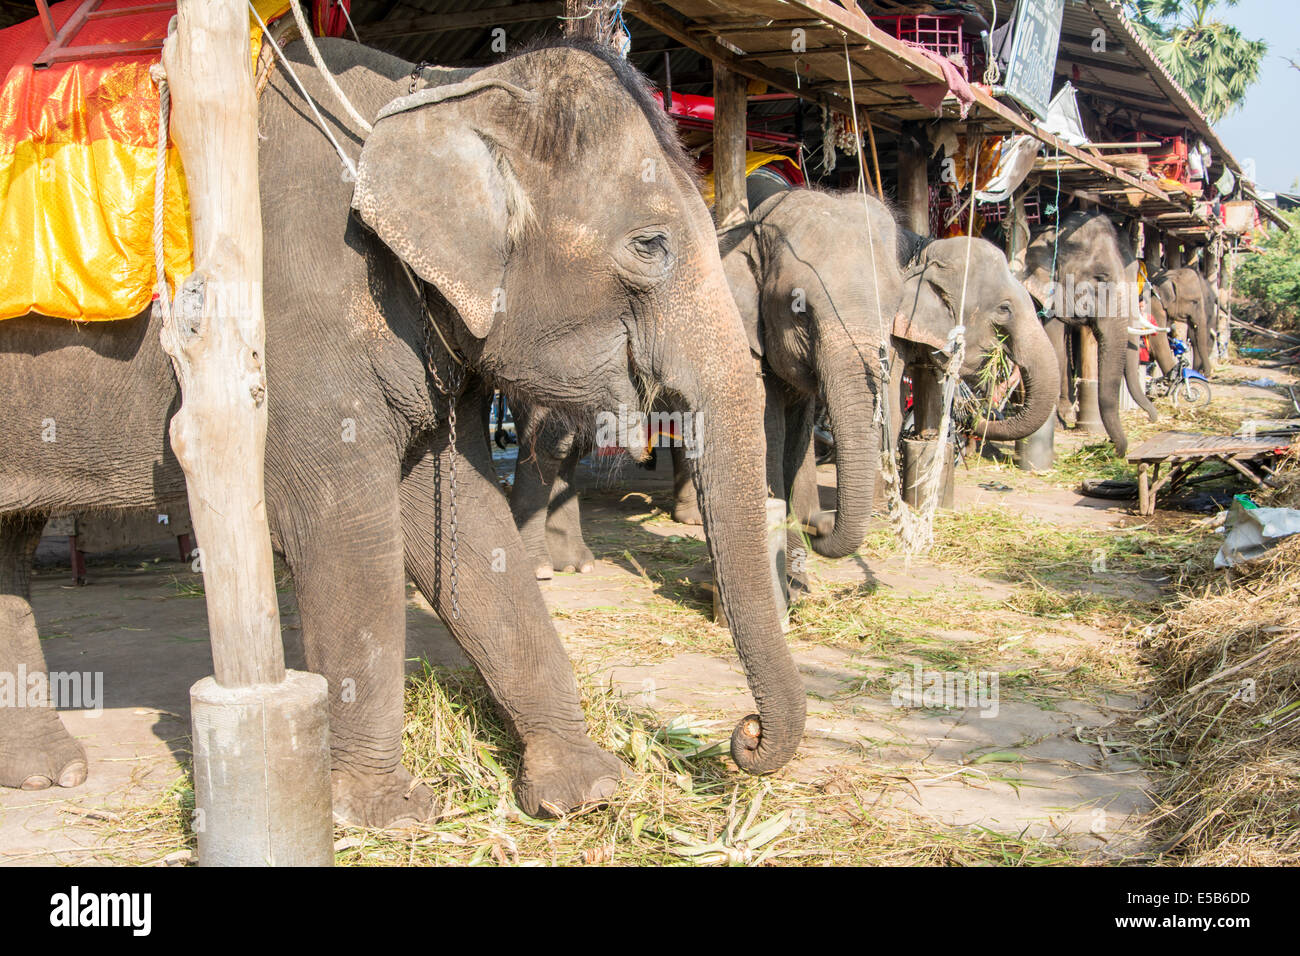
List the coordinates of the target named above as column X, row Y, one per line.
column 941, row 33
column 996, row 212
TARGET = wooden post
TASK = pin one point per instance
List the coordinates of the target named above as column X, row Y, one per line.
column 1089, row 410
column 261, row 739
column 730, row 108
column 1018, row 233
column 1214, row 276
column 913, row 188
column 1151, row 253
column 1173, row 255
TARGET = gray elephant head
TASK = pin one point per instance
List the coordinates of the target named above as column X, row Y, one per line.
column 1183, row 296
column 1083, row 273
column 548, row 203
column 994, row 308
column 816, row 311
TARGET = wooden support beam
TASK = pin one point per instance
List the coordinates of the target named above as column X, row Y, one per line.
column 913, row 186
column 730, row 121
column 260, row 734
column 1089, row 409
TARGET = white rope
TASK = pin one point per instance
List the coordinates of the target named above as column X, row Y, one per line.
column 307, row 38
column 288, row 67
column 163, row 304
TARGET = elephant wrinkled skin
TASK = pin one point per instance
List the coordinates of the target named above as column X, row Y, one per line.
column 559, row 272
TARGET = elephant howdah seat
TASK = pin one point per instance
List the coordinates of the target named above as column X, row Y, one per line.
column 78, row 159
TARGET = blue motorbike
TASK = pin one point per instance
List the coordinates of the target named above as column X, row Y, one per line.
column 1187, row 387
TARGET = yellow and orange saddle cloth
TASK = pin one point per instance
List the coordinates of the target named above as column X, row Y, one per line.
column 78, row 150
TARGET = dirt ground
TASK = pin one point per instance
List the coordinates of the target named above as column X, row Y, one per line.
column 1038, row 607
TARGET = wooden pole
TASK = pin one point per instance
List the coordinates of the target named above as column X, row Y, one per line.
column 1214, row 276
column 1089, row 410
column 1018, row 233
column 261, row 741
column 913, row 188
column 1151, row 252
column 730, row 203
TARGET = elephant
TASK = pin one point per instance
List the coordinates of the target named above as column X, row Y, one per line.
column 1183, row 298
column 1083, row 273
column 548, row 266
column 809, row 302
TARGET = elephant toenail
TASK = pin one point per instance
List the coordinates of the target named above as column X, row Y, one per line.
column 74, row 774
column 37, row 781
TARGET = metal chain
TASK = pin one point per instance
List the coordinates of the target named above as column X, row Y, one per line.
column 416, row 74
column 450, row 389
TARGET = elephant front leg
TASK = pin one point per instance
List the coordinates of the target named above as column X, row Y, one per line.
column 1056, row 333
column 805, row 501
column 686, row 503
column 348, row 573
column 504, row 627
column 564, row 542
column 530, row 504
column 36, row 750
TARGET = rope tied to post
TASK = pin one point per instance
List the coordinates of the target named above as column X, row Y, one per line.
column 162, row 304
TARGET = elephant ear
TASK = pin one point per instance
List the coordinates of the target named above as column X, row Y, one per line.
column 927, row 311
column 740, row 265
column 1037, row 275
column 437, row 188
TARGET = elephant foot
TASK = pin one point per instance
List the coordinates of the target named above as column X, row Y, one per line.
column 796, row 575
column 570, row 553
column 380, row 800
column 560, row 776
column 687, row 511
column 37, row 752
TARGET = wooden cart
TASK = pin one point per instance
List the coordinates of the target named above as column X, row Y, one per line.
column 1185, row 452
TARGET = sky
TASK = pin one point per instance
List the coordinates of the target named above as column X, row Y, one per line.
column 1266, row 127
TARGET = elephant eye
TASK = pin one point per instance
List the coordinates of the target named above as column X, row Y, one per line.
column 650, row 246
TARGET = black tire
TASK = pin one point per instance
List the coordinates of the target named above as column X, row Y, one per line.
column 1109, row 488
column 1192, row 393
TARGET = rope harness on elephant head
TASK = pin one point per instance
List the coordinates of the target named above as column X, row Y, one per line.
column 450, row 388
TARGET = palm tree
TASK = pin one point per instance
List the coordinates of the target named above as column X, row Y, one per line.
column 1210, row 59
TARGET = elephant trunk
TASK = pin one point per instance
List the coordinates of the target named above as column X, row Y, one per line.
column 849, row 385
column 1111, row 349
column 1203, row 341
column 1133, row 377
column 1162, row 353
column 728, row 466
column 1036, row 359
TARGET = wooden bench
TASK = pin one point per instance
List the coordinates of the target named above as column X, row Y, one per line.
column 1185, row 452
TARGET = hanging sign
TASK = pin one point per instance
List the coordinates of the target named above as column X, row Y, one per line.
column 1033, row 54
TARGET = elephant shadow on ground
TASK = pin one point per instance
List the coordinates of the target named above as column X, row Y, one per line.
column 137, row 637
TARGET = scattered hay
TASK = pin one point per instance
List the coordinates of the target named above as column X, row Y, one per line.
column 1226, row 719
